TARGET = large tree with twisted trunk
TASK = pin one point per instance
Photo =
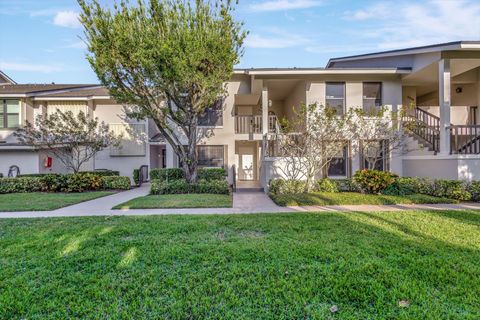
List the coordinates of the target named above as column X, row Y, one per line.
column 165, row 60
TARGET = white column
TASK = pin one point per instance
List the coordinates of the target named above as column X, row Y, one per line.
column 444, row 102
column 264, row 110
column 170, row 156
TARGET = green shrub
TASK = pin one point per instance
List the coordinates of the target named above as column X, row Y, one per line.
column 182, row 187
column 212, row 186
column 22, row 184
column 178, row 186
column 326, row 185
column 374, row 181
column 54, row 182
column 212, row 174
column 347, row 185
column 398, row 189
column 116, row 183
column 474, row 189
column 453, row 189
column 80, row 182
column 102, row 173
column 167, row 174
column 281, row 186
column 136, row 176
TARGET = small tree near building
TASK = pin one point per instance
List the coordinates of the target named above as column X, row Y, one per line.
column 165, row 60
column 312, row 138
column 72, row 139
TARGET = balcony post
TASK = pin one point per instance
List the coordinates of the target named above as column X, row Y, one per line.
column 444, row 102
column 264, row 110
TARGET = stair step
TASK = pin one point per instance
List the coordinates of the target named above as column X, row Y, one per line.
column 249, row 190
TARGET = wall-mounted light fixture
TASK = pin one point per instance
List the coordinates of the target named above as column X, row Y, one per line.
column 458, row 90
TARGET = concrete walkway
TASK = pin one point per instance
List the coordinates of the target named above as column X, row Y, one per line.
column 243, row 203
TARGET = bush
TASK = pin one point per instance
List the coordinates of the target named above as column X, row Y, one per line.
column 100, row 173
column 116, row 183
column 281, row 186
column 452, row 189
column 347, row 185
column 167, row 174
column 212, row 174
column 474, row 189
column 80, row 182
column 136, row 176
column 22, row 184
column 374, row 181
column 212, row 186
column 182, row 187
column 326, row 185
column 54, row 182
column 398, row 189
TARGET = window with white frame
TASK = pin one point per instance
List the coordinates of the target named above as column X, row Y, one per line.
column 374, row 155
column 9, row 114
column 335, row 96
column 372, row 97
column 338, row 166
column 211, row 156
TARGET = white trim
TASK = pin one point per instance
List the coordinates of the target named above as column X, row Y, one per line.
column 442, row 157
column 70, row 98
column 325, row 71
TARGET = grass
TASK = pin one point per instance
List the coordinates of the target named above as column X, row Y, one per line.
column 346, row 198
column 43, row 201
column 262, row 266
column 178, row 201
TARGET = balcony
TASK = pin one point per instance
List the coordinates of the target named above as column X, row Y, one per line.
column 253, row 124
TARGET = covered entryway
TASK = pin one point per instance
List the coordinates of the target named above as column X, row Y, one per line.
column 247, row 156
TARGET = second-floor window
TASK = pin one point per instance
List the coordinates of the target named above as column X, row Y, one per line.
column 9, row 114
column 372, row 97
column 213, row 116
column 335, row 96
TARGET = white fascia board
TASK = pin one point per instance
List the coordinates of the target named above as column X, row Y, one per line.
column 470, row 46
column 71, row 98
column 13, row 95
column 328, row 72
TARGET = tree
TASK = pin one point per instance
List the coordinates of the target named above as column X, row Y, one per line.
column 381, row 134
column 312, row 138
column 74, row 140
column 167, row 60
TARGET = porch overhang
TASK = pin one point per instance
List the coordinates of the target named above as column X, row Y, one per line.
column 247, row 99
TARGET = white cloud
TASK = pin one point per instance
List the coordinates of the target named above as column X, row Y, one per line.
column 42, row 68
column 76, row 45
column 276, row 5
column 67, row 19
column 274, row 40
column 402, row 24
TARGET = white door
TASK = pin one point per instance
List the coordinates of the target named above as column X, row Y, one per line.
column 246, row 166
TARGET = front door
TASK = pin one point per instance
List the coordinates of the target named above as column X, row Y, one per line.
column 246, row 166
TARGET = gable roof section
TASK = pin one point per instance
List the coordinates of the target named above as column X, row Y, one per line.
column 7, row 79
column 448, row 46
column 35, row 90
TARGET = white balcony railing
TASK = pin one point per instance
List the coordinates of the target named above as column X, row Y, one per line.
column 253, row 124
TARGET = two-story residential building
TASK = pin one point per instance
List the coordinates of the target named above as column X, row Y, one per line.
column 441, row 81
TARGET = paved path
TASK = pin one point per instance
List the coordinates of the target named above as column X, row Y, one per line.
column 243, row 203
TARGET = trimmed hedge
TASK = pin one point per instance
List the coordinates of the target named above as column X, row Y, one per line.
column 326, row 185
column 167, row 174
column 100, row 173
column 210, row 174
column 52, row 182
column 280, row 186
column 182, row 187
column 374, row 181
column 116, row 183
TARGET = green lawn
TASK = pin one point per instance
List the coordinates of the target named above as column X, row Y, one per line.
column 178, row 201
column 345, row 198
column 261, row 266
column 43, row 201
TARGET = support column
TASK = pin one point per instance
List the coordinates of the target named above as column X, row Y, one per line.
column 264, row 110
column 444, row 102
column 171, row 157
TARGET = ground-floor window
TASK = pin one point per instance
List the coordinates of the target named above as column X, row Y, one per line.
column 374, row 155
column 211, row 156
column 339, row 164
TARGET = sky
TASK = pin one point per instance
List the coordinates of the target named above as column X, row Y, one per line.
column 41, row 40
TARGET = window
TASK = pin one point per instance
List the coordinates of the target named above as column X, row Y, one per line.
column 213, row 116
column 211, row 156
column 372, row 97
column 375, row 155
column 338, row 164
column 9, row 114
column 335, row 96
